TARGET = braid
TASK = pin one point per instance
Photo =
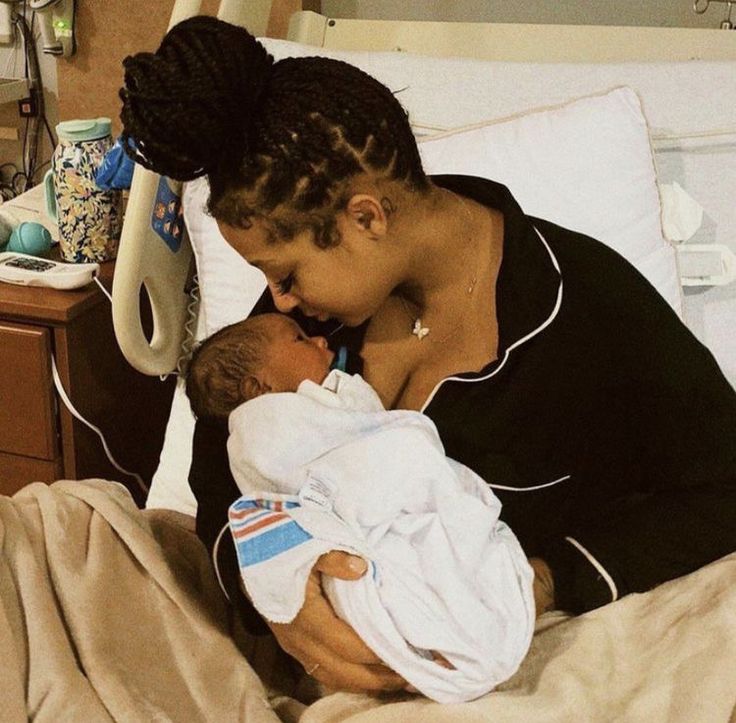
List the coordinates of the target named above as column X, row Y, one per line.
column 178, row 104
column 289, row 134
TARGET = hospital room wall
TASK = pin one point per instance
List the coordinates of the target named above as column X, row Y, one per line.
column 108, row 32
column 86, row 84
column 665, row 13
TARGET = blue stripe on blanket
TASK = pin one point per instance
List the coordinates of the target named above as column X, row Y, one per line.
column 270, row 543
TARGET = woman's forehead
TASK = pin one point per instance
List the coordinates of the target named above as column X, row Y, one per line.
column 248, row 242
column 261, row 248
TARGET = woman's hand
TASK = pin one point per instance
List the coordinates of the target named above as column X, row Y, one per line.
column 327, row 647
column 544, row 586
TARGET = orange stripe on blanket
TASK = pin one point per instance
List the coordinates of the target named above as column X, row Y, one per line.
column 240, row 514
column 258, row 525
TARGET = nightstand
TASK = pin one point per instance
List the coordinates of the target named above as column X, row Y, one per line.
column 40, row 440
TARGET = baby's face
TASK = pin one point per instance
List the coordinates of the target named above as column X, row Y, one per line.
column 292, row 356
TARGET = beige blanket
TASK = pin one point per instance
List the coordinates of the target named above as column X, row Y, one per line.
column 108, row 614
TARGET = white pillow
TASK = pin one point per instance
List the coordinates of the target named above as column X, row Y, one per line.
column 586, row 165
column 229, row 286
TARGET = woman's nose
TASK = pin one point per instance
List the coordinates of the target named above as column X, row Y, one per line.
column 283, row 302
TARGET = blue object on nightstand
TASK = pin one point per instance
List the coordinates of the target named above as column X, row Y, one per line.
column 30, row 238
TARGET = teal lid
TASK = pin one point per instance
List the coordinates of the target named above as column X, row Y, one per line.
column 84, row 130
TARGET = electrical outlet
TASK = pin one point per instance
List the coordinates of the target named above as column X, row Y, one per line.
column 28, row 106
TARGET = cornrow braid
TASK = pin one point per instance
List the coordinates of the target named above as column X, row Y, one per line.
column 288, row 135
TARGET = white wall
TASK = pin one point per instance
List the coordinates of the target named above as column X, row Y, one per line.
column 668, row 13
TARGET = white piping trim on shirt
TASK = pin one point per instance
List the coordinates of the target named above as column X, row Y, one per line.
column 529, row 489
column 215, row 550
column 518, row 342
column 597, row 565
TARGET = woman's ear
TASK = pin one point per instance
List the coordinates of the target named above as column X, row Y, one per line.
column 252, row 387
column 368, row 214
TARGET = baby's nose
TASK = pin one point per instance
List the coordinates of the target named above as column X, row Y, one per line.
column 320, row 341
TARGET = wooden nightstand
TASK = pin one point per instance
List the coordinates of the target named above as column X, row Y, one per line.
column 40, row 440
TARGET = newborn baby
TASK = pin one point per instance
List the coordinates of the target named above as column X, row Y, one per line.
column 322, row 466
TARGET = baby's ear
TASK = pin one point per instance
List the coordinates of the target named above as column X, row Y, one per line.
column 252, row 387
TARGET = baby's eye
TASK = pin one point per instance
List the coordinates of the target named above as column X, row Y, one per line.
column 284, row 285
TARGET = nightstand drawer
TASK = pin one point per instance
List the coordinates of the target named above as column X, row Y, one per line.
column 27, row 411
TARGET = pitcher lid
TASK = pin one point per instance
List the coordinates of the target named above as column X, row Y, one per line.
column 84, row 130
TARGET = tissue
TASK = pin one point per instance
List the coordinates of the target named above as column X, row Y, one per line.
column 682, row 215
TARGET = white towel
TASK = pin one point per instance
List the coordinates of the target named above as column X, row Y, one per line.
column 329, row 468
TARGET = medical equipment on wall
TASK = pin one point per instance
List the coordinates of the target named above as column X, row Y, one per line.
column 55, row 20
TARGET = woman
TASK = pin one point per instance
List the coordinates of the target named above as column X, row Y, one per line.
column 549, row 365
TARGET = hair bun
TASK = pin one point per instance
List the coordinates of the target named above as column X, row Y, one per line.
column 193, row 102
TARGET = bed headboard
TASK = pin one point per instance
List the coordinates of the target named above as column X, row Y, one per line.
column 143, row 258
column 144, row 261
column 515, row 41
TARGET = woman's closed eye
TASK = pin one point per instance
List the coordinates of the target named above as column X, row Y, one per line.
column 283, row 286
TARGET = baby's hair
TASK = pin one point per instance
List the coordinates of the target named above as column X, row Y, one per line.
column 221, row 362
column 211, row 101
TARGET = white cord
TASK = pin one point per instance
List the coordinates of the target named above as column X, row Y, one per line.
column 656, row 137
column 715, row 133
column 189, row 330
column 529, row 489
column 67, row 402
column 102, row 287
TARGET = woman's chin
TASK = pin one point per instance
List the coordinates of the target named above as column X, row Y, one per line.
column 352, row 320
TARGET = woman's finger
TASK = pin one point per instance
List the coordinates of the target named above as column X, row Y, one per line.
column 328, row 657
column 317, row 627
column 357, row 678
column 337, row 563
column 327, row 646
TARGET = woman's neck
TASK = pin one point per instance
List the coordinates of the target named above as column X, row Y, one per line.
column 451, row 242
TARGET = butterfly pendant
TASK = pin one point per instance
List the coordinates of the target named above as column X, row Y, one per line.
column 419, row 331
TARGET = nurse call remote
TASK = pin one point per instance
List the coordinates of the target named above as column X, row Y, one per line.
column 25, row 270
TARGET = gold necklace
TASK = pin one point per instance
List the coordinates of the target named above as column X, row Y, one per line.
column 418, row 329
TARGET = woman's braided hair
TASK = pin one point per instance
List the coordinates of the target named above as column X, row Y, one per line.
column 211, row 101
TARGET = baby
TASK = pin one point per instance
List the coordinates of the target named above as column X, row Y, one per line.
column 322, row 466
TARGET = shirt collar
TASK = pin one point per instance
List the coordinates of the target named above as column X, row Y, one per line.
column 528, row 282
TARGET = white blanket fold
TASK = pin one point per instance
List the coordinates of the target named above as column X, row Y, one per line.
column 323, row 470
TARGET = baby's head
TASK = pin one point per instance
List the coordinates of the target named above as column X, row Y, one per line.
column 262, row 354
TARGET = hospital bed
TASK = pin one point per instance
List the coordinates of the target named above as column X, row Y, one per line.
column 627, row 134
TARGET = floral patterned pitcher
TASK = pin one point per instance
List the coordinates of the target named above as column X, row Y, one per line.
column 89, row 219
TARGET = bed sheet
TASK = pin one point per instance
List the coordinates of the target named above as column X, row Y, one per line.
column 109, row 614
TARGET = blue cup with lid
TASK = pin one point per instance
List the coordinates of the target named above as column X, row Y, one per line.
column 89, row 218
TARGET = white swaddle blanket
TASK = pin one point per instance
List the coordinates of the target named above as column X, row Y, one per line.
column 329, row 468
